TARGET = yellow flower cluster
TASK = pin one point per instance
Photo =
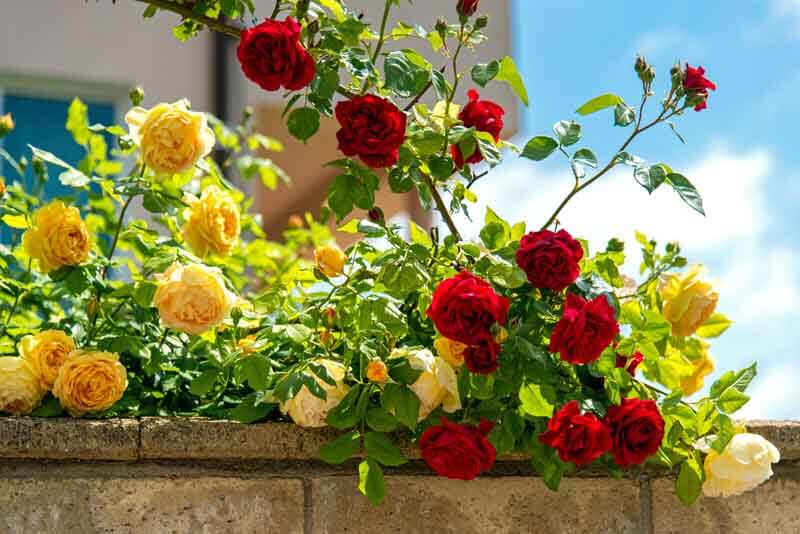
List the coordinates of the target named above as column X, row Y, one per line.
column 83, row 381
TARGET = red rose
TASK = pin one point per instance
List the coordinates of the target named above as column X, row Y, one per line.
column 697, row 85
column 465, row 307
column 371, row 128
column 578, row 438
column 484, row 116
column 481, row 359
column 457, row 451
column 271, row 55
column 550, row 259
column 637, row 429
column 585, row 329
column 467, row 7
column 631, row 363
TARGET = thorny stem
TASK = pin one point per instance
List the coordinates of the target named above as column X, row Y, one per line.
column 276, row 9
column 441, row 207
column 382, row 36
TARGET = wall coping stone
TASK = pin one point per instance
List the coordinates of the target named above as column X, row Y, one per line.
column 161, row 438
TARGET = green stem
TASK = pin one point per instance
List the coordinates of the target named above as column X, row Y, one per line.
column 18, row 297
column 441, row 207
column 382, row 35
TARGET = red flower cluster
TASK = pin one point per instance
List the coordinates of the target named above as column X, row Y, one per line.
column 696, row 84
column 637, row 429
column 272, row 56
column 585, row 329
column 484, row 116
column 457, row 451
column 467, row 7
column 630, row 363
column 465, row 307
column 578, row 438
column 550, row 259
column 631, row 431
column 372, row 128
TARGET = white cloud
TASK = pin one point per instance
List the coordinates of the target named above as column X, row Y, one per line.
column 774, row 394
column 664, row 43
column 781, row 17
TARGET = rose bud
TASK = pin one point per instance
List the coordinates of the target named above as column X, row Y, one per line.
column 467, row 8
column 376, row 215
column 6, row 124
column 136, row 95
column 377, row 372
column 295, row 222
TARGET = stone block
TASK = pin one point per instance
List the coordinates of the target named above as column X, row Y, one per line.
column 484, row 506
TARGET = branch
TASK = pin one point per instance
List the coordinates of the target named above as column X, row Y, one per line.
column 441, row 207
column 187, row 13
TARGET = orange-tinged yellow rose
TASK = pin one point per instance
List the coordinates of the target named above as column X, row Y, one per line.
column 330, row 260
column 703, row 367
column 6, row 124
column 212, row 222
column 250, row 345
column 450, row 350
column 437, row 385
column 377, row 372
column 90, row 382
column 58, row 237
column 2, row 187
column 688, row 300
column 172, row 138
column 192, row 298
column 46, row 352
column 20, row 386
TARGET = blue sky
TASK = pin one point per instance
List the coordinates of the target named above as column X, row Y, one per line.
column 741, row 154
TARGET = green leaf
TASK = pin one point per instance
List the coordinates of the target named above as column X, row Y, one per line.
column 78, row 121
column 345, row 414
column 731, row 400
column 508, row 73
column 342, row 448
column 715, row 326
column 686, row 191
column 50, row 407
column 656, row 327
column 303, row 123
column 257, row 371
column 599, row 103
column 370, row 481
column 407, row 73
column 144, row 293
column 585, row 156
column 534, row 402
column 250, row 410
column 204, row 382
column 15, row 221
column 418, row 235
column 380, row 420
column 568, row 132
column 690, row 481
column 650, row 177
column 403, row 402
column 383, row 450
column 483, row 73
column 624, row 115
column 730, row 380
column 539, row 148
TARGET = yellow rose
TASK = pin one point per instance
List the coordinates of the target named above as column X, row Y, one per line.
column 20, row 386
column 212, row 222
column 451, row 350
column 309, row 411
column 437, row 385
column 46, row 352
column 192, row 298
column 703, row 367
column 172, row 138
column 330, row 260
column 744, row 464
column 250, row 345
column 90, row 382
column 6, row 124
column 688, row 300
column 59, row 237
column 377, row 372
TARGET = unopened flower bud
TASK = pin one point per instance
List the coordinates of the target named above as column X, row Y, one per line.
column 6, row 124
column 313, row 27
column 640, row 65
column 329, row 315
column 467, row 8
column 441, row 28
column 136, row 95
column 39, row 168
column 376, row 215
column 377, row 372
column 91, row 308
column 676, row 73
column 295, row 222
column 481, row 22
column 325, row 337
column 247, row 113
column 500, row 335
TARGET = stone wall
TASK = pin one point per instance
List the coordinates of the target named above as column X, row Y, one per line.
column 180, row 475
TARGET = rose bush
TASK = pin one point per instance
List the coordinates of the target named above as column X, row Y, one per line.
column 543, row 346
